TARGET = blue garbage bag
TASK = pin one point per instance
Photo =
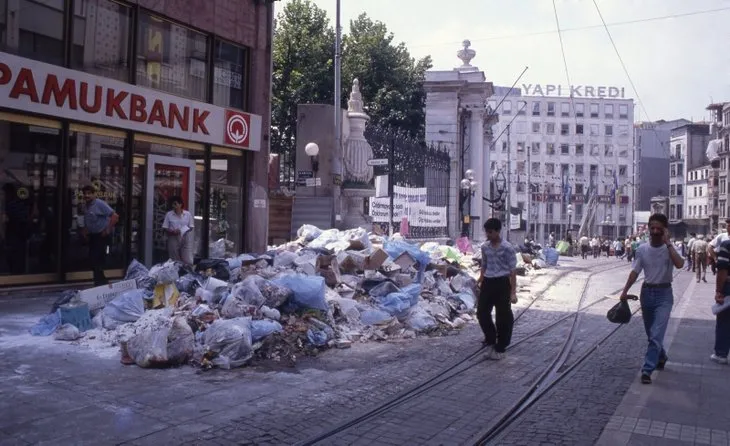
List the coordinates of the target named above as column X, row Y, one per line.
column 263, row 328
column 374, row 317
column 394, row 248
column 413, row 291
column 308, row 291
column 47, row 325
column 551, row 256
column 319, row 333
column 395, row 304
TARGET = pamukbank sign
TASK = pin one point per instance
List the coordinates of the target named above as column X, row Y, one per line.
column 37, row 87
column 576, row 91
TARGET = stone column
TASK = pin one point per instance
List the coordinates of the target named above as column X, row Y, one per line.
column 476, row 156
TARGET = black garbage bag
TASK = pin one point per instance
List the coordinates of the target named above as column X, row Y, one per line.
column 621, row 312
column 218, row 267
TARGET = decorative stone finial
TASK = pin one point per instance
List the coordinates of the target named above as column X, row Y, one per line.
column 355, row 102
column 466, row 54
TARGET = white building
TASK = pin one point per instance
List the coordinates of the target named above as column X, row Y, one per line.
column 696, row 196
column 585, row 143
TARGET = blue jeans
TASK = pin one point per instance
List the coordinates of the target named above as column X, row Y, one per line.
column 722, row 328
column 656, row 307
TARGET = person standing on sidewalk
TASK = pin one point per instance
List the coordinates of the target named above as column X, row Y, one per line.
column 99, row 222
column 699, row 249
column 656, row 259
column 722, row 319
column 585, row 246
column 497, row 289
column 690, row 243
column 180, row 226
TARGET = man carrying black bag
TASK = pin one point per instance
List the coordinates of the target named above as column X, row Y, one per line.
column 657, row 260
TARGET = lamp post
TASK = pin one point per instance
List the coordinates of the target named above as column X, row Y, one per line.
column 570, row 218
column 312, row 150
column 468, row 188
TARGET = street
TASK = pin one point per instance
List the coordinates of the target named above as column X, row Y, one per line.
column 420, row 390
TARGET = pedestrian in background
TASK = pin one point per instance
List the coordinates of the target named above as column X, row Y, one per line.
column 722, row 319
column 179, row 225
column 714, row 246
column 585, row 246
column 690, row 254
column 99, row 222
column 497, row 290
column 699, row 259
column 656, row 259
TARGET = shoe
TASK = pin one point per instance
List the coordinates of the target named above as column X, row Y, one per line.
column 704, row 280
column 662, row 362
column 645, row 378
column 486, row 343
column 719, row 359
column 698, row 280
column 498, row 356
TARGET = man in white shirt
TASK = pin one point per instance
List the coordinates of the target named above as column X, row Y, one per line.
column 596, row 247
column 179, row 225
column 585, row 246
column 714, row 246
column 690, row 244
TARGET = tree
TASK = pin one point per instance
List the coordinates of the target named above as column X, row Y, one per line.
column 303, row 57
column 391, row 80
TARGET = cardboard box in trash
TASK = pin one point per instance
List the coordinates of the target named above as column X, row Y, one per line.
column 376, row 259
column 328, row 267
column 98, row 297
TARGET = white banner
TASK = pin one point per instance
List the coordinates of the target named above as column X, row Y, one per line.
column 410, row 194
column 380, row 209
column 514, row 221
column 428, row 217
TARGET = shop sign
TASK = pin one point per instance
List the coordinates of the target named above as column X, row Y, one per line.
column 577, row 91
column 37, row 87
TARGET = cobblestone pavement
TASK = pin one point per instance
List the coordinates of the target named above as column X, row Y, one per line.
column 58, row 394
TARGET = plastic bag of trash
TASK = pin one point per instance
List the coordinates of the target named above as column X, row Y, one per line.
column 325, row 238
column 394, row 248
column 263, row 328
column 231, row 340
column 166, row 273
column 127, row 307
column 395, row 304
column 309, row 232
column 149, row 347
column 284, row 259
column 244, row 300
column 189, row 283
column 217, row 268
column 551, row 256
column 384, row 289
column 419, row 320
column 63, row 299
column 319, row 333
column 357, row 238
column 67, row 332
column 374, row 316
column 138, row 272
column 274, row 295
column 218, row 249
column 466, row 299
column 180, row 342
column 413, row 291
column 309, row 291
column 47, row 324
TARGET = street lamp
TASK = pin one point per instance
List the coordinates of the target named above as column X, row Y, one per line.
column 468, row 188
column 312, row 150
column 570, row 218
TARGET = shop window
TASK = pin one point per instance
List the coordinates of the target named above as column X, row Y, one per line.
column 33, row 29
column 29, row 213
column 171, row 172
column 171, row 57
column 96, row 158
column 101, row 39
column 229, row 75
column 226, row 200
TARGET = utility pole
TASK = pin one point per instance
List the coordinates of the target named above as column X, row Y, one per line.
column 529, row 191
column 509, row 182
column 391, row 178
column 338, row 88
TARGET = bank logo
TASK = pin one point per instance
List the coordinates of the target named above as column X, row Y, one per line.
column 237, row 128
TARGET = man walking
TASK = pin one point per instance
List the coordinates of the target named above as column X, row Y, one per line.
column 585, row 246
column 498, row 290
column 699, row 248
column 690, row 255
column 99, row 222
column 656, row 259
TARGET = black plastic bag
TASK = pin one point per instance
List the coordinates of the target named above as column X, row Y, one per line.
column 621, row 312
column 218, row 267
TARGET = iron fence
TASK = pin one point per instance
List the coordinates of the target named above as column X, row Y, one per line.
column 414, row 164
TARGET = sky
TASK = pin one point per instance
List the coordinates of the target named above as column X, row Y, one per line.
column 678, row 65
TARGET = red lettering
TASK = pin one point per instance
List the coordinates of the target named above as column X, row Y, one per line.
column 5, row 74
column 84, row 98
column 60, row 94
column 199, row 121
column 114, row 103
column 138, row 108
column 24, row 84
column 181, row 118
column 157, row 114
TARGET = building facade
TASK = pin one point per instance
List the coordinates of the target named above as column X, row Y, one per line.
column 720, row 131
column 652, row 160
column 569, row 150
column 687, row 146
column 144, row 100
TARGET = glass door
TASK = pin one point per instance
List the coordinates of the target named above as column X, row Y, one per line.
column 166, row 177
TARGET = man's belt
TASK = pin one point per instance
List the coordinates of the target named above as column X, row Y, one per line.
column 656, row 285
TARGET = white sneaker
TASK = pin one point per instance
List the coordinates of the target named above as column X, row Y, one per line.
column 494, row 354
column 719, row 359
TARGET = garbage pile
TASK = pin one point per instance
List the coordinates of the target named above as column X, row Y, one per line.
column 327, row 289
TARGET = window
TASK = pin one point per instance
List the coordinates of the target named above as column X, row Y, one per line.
column 550, row 168
column 623, row 130
column 535, row 127
column 608, row 111
column 492, row 105
column 608, row 150
column 595, row 151
column 550, row 128
column 623, row 112
column 493, row 166
column 672, row 190
column 521, row 167
column 608, row 171
column 723, row 210
column 564, row 109
column 594, row 110
column 578, row 207
column 564, row 149
column 608, row 130
column 594, row 129
column 564, row 170
column 550, row 148
column 35, row 31
column 705, row 213
column 535, row 168
column 504, row 146
column 701, row 191
column 679, row 190
column 678, row 150
column 229, row 75
column 622, row 170
column 623, row 151
column 101, row 39
column 520, row 147
column 507, row 107
column 579, row 110
column 521, row 106
column 521, row 127
column 579, row 129
column 565, row 129
column 171, row 58
column 680, row 169
column 579, row 169
column 535, row 109
column 579, row 190
column 672, row 212
column 520, row 187
column 535, row 148
column 579, row 151
column 551, row 108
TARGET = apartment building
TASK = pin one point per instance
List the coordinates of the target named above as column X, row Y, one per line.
column 572, row 151
column 689, row 168
column 720, row 131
